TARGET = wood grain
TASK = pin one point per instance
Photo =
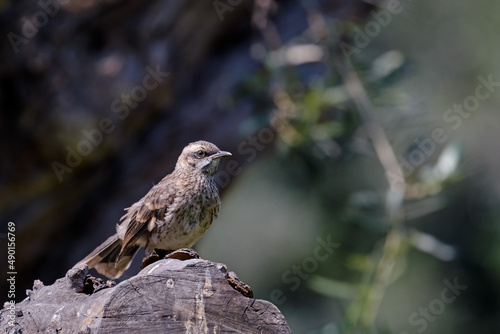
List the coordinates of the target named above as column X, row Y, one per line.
column 168, row 296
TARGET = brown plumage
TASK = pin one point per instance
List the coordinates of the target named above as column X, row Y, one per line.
column 174, row 214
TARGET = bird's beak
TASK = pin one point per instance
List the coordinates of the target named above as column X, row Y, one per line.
column 220, row 154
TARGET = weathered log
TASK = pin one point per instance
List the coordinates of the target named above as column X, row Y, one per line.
column 168, row 296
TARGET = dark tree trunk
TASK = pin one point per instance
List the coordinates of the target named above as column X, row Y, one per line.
column 98, row 101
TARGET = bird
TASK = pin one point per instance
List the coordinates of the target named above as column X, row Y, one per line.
column 174, row 214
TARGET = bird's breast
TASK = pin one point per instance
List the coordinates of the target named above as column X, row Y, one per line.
column 190, row 215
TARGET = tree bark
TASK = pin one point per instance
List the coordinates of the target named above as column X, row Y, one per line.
column 168, row 296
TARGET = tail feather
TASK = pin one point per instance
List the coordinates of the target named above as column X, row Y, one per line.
column 109, row 259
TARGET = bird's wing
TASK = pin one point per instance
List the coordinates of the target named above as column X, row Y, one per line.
column 142, row 215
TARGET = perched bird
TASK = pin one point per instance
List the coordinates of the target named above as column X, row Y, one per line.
column 174, row 214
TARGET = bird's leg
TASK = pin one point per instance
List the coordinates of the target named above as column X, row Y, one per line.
column 162, row 253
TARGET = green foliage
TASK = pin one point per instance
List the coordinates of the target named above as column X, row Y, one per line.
column 322, row 142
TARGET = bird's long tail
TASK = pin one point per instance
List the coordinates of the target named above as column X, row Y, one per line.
column 109, row 259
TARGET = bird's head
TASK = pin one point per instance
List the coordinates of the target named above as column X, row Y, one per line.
column 201, row 156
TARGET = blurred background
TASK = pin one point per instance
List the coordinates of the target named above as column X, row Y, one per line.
column 362, row 195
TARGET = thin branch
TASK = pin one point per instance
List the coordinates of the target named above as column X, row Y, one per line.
column 394, row 195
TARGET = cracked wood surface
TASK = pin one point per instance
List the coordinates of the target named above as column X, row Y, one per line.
column 173, row 296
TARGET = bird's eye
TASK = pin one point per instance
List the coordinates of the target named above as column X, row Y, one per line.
column 200, row 154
